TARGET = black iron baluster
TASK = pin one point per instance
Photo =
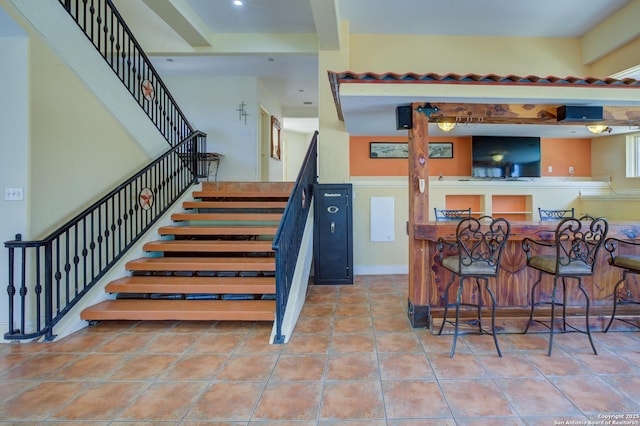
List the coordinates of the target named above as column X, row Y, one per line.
column 48, row 288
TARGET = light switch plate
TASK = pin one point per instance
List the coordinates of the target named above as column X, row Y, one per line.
column 13, row 194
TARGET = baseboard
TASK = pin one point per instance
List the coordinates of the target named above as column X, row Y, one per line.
column 380, row 269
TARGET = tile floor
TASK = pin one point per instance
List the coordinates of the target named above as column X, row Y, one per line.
column 353, row 360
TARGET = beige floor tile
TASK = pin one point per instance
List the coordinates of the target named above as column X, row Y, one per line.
column 102, row 401
column 142, row 367
column 289, row 401
column 226, row 402
column 254, row 368
column 475, row 398
column 310, row 324
column 194, row 366
column 38, row 367
column 40, row 401
column 352, row 400
column 217, row 343
column 353, row 324
column 353, row 310
column 163, row 402
column 358, row 342
column 352, row 360
column 171, row 343
column 392, row 323
column 353, row 366
column 558, row 364
column 461, row 366
column 397, row 342
column 405, row 366
column 299, row 368
column 308, row 344
column 414, row 399
column 510, row 365
column 90, row 367
column 531, row 397
column 587, row 393
column 127, row 343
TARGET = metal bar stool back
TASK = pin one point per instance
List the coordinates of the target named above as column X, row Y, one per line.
column 546, row 214
column 571, row 254
column 475, row 254
column 451, row 214
column 622, row 256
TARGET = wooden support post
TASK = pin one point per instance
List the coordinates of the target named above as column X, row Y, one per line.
column 418, row 309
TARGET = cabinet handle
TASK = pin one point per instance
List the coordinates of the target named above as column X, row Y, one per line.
column 333, row 227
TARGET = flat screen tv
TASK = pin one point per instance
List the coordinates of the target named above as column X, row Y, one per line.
column 505, row 156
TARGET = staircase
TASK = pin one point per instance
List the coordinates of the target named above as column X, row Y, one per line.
column 215, row 263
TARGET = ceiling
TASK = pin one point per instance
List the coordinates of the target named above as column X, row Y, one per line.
column 289, row 67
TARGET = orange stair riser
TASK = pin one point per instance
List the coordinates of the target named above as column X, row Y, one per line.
column 190, row 289
column 193, row 285
column 178, row 217
column 234, row 204
column 192, row 310
column 241, row 194
column 219, row 231
column 208, row 246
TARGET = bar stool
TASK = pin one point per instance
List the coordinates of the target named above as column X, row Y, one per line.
column 575, row 246
column 451, row 214
column 546, row 214
column 478, row 249
column 630, row 264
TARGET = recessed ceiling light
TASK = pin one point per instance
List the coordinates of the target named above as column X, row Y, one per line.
column 238, row 2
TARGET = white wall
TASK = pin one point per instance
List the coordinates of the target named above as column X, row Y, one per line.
column 14, row 161
column 212, row 104
column 295, row 147
column 270, row 104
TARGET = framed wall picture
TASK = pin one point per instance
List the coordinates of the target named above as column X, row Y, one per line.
column 388, row 150
column 275, row 138
column 440, row 149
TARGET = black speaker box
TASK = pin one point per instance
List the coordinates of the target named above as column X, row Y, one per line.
column 404, row 118
column 580, row 113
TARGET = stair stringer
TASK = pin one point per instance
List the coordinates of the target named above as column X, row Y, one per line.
column 71, row 322
column 300, row 282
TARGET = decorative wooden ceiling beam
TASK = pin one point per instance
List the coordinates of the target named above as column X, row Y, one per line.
column 522, row 114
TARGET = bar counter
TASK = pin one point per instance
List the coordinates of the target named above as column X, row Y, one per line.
column 512, row 287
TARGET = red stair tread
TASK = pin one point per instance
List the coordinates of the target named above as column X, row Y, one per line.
column 188, row 310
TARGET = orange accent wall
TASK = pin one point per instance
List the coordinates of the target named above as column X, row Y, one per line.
column 464, row 202
column 561, row 154
column 361, row 165
column 558, row 153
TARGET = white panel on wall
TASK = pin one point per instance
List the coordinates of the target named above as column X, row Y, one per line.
column 382, row 219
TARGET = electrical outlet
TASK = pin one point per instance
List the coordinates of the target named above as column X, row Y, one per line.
column 550, row 169
column 570, row 170
column 13, row 194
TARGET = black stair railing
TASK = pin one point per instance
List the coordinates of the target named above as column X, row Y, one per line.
column 49, row 276
column 288, row 238
column 107, row 31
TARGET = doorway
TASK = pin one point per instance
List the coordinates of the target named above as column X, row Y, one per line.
column 265, row 147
